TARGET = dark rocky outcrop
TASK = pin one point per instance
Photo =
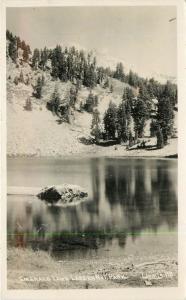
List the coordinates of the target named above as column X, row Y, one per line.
column 64, row 194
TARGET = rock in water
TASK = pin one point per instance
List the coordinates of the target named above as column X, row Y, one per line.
column 64, row 194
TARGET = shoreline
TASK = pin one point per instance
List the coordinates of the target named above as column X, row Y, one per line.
column 111, row 153
column 39, row 270
column 80, row 156
column 91, row 151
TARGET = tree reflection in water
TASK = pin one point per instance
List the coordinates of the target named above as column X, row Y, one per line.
column 128, row 197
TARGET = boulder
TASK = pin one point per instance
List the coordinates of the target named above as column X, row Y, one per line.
column 64, row 194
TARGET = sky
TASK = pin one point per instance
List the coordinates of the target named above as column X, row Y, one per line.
column 142, row 37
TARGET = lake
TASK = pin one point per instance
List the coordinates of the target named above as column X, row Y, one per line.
column 131, row 207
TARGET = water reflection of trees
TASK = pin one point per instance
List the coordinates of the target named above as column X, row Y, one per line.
column 153, row 198
column 129, row 196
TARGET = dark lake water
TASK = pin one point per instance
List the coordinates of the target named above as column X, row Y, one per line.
column 131, row 206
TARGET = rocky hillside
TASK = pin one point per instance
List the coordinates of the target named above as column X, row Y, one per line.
column 38, row 131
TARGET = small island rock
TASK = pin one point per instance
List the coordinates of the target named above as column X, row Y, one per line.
column 65, row 193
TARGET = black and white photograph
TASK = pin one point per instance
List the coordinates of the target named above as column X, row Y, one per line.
column 92, row 147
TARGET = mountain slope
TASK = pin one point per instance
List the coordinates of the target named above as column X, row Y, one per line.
column 39, row 132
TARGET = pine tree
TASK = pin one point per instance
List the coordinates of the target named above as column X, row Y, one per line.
column 35, row 58
column 130, row 139
column 44, row 58
column 12, row 49
column 100, row 75
column 16, row 80
column 151, row 88
column 9, row 35
column 140, row 115
column 153, row 128
column 26, row 51
column 89, row 76
column 128, row 97
column 21, row 77
column 96, row 100
column 18, row 43
column 92, row 76
column 81, row 106
column 170, row 91
column 27, row 81
column 106, row 83
column 111, row 88
column 43, row 79
column 91, row 102
column 28, row 104
column 154, row 88
column 144, row 95
column 38, row 89
column 132, row 79
column 122, row 123
column 78, row 85
column 165, row 117
column 54, row 102
column 72, row 96
column 95, row 127
column 57, row 57
column 110, row 121
column 160, row 139
column 119, row 73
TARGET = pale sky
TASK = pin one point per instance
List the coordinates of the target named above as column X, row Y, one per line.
column 141, row 37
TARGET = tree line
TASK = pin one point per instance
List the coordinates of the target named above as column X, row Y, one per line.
column 78, row 66
column 14, row 45
column 81, row 69
column 118, row 119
